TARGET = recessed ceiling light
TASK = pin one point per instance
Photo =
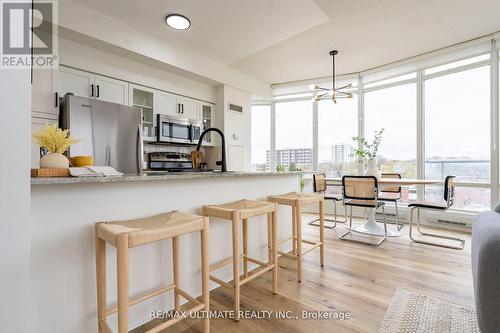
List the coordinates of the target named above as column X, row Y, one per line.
column 177, row 21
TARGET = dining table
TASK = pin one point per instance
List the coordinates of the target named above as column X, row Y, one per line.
column 370, row 225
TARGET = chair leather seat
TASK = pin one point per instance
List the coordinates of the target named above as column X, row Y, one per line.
column 364, row 203
column 428, row 204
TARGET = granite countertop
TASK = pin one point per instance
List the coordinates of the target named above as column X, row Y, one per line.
column 153, row 177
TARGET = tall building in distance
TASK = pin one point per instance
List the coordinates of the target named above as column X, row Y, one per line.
column 341, row 153
column 289, row 156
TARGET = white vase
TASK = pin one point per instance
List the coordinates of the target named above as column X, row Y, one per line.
column 372, row 168
column 54, row 160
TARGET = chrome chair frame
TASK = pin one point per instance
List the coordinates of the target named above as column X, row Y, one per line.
column 375, row 206
column 395, row 200
column 449, row 197
column 334, row 200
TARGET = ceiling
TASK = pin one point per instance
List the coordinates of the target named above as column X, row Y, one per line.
column 288, row 40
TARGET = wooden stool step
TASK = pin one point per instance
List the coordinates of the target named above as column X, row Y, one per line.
column 297, row 200
column 131, row 233
column 239, row 212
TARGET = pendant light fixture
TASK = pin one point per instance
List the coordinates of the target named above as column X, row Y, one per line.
column 332, row 93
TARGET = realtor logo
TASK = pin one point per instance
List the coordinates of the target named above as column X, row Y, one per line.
column 28, row 36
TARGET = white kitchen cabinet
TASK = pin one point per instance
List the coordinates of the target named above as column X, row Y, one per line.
column 190, row 108
column 167, row 104
column 85, row 84
column 144, row 98
column 208, row 120
column 44, row 96
column 111, row 90
column 79, row 83
column 36, row 125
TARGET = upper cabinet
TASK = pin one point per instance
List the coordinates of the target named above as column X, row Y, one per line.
column 111, row 90
column 77, row 82
column 208, row 120
column 44, row 96
column 144, row 98
column 81, row 83
column 176, row 106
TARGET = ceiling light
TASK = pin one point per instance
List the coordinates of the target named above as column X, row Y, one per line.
column 177, row 21
column 332, row 93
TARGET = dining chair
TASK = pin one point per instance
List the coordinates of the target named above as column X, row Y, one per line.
column 392, row 194
column 320, row 186
column 362, row 191
column 449, row 195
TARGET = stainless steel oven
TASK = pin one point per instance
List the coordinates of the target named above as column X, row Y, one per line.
column 175, row 130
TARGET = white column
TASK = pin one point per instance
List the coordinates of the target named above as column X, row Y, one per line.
column 494, row 126
column 15, row 105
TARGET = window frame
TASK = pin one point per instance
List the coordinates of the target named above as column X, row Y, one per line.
column 421, row 77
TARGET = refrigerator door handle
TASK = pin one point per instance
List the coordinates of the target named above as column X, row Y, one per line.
column 139, row 147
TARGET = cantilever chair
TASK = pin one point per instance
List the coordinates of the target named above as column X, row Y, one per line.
column 449, row 193
column 362, row 191
column 392, row 194
column 320, row 186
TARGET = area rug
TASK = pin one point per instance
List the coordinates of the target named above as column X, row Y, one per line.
column 413, row 313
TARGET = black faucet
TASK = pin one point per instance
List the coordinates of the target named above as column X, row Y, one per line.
column 213, row 129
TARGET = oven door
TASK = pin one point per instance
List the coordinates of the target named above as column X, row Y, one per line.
column 173, row 130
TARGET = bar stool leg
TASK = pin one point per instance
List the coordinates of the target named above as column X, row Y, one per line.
column 100, row 250
column 275, row 250
column 204, row 275
column 122, row 276
column 245, row 247
column 322, row 231
column 270, row 245
column 175, row 265
column 294, row 231
column 298, row 228
column 236, row 264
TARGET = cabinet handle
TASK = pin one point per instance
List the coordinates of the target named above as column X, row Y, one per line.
column 57, row 100
column 178, row 108
column 182, row 106
column 91, row 90
column 97, row 91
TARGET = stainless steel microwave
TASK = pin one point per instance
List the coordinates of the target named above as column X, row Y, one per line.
column 175, row 130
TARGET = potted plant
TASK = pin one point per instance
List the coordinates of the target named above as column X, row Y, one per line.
column 56, row 141
column 367, row 151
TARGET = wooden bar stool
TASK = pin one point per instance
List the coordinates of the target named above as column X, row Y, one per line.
column 239, row 212
column 296, row 200
column 131, row 233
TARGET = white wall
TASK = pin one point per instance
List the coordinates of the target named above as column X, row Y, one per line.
column 81, row 56
column 15, row 104
column 235, row 125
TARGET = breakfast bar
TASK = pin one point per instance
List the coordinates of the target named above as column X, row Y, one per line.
column 64, row 211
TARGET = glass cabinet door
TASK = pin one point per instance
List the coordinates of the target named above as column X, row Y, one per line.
column 207, row 121
column 144, row 100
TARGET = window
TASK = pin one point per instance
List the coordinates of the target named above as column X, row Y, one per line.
column 337, row 125
column 261, row 137
column 395, row 110
column 294, row 135
column 457, row 133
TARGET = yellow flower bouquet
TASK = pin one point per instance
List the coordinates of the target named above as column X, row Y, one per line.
column 56, row 141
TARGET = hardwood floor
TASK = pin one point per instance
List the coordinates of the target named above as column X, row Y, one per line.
column 357, row 278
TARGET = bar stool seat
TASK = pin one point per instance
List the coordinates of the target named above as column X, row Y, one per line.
column 238, row 212
column 132, row 233
column 296, row 200
column 150, row 229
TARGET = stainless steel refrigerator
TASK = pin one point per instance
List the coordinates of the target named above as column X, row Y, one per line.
column 109, row 132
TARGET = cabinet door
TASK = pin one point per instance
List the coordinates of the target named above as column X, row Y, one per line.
column 36, row 125
column 76, row 82
column 167, row 104
column 44, row 101
column 111, row 90
column 190, row 109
